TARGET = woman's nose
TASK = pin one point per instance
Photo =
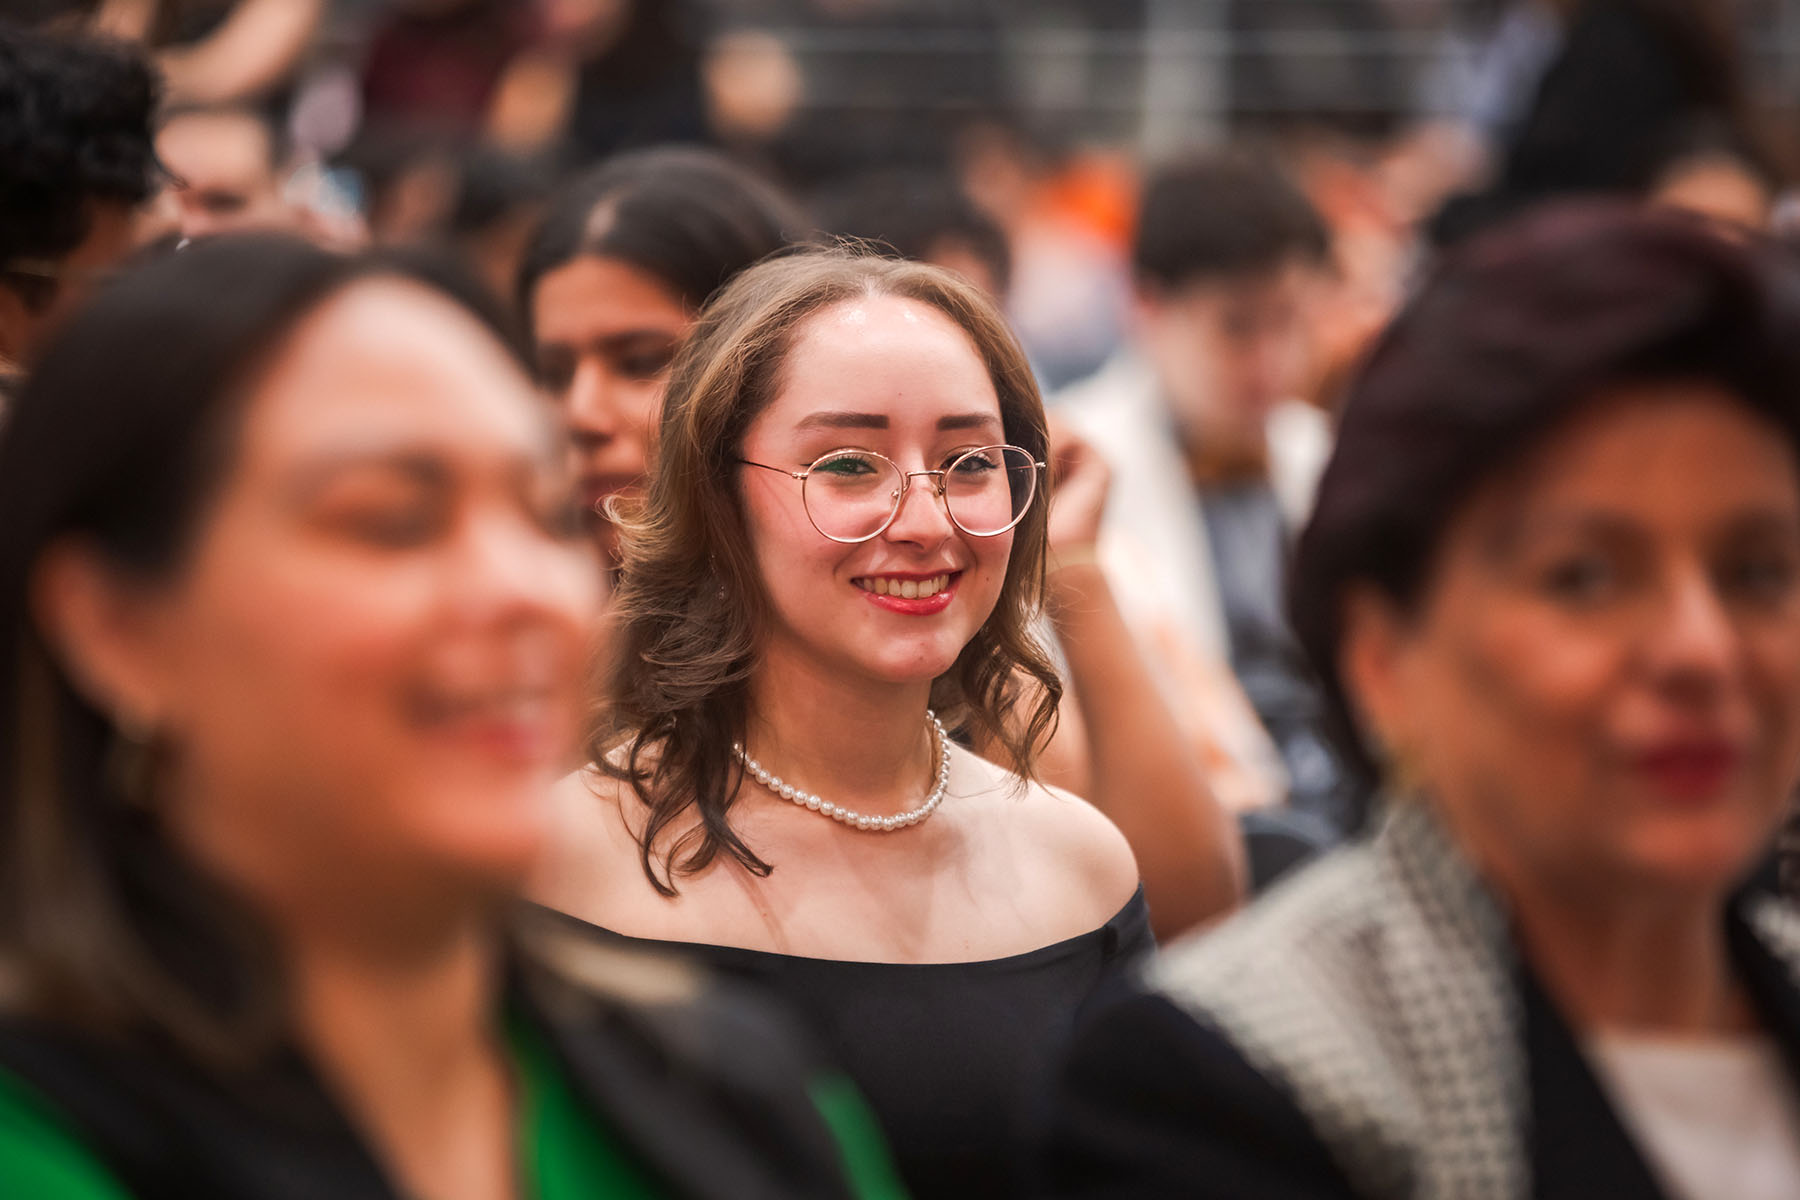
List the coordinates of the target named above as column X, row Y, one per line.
column 922, row 517
column 1694, row 644
column 512, row 570
column 593, row 404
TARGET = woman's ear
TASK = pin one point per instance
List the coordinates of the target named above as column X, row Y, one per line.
column 1371, row 663
column 98, row 626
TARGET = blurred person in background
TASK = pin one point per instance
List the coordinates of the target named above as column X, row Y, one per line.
column 229, row 165
column 1620, row 82
column 296, row 634
column 218, row 51
column 1214, row 461
column 436, row 66
column 605, row 76
column 572, row 81
column 783, row 627
column 1553, row 584
column 499, row 201
column 479, row 202
column 625, row 258
column 80, row 161
column 1067, row 215
column 922, row 215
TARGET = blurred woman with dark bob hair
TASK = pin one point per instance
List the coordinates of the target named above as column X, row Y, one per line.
column 839, row 559
column 292, row 635
column 1553, row 581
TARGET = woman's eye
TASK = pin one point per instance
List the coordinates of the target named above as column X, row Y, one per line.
column 1763, row 578
column 645, row 366
column 396, row 528
column 846, row 464
column 1580, row 580
column 973, row 464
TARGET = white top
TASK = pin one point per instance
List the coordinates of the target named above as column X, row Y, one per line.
column 1157, row 556
column 1715, row 1117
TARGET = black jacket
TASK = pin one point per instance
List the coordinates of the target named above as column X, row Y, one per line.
column 706, row 1091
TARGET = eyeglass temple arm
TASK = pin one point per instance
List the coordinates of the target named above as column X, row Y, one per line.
column 778, row 470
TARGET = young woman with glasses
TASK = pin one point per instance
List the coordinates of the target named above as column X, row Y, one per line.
column 837, row 561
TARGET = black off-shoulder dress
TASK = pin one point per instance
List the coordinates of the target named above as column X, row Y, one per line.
column 955, row 1059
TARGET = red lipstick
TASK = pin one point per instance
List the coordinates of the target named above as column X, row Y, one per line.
column 1689, row 770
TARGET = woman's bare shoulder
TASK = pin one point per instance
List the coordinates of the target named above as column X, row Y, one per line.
column 1059, row 828
column 590, row 853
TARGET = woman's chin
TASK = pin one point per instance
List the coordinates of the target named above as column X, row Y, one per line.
column 923, row 671
column 1696, row 857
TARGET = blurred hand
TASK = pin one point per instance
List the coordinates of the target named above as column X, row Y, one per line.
column 1080, row 480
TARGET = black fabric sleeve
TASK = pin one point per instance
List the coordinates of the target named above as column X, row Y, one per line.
column 1153, row 1104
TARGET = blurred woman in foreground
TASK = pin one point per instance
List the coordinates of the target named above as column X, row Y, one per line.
column 1553, row 580
column 292, row 642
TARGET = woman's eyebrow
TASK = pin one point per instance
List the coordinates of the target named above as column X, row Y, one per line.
column 833, row 419
column 968, row 421
column 843, row 420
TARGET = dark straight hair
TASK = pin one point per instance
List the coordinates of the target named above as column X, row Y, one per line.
column 690, row 218
column 121, row 438
column 1505, row 343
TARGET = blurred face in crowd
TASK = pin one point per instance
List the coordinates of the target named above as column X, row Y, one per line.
column 370, row 667
column 1226, row 351
column 38, row 296
column 606, row 334
column 898, row 377
column 1601, row 688
column 227, row 176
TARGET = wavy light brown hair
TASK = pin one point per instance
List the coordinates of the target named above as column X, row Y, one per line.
column 692, row 605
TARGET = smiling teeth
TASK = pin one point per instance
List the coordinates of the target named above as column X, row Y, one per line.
column 906, row 589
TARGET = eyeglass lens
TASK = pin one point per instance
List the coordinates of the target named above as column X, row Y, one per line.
column 852, row 494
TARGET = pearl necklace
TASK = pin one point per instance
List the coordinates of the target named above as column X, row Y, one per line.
column 805, row 799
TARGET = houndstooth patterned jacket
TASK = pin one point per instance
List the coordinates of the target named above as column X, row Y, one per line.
column 1378, row 989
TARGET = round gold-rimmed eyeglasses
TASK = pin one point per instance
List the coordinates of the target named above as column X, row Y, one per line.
column 853, row 495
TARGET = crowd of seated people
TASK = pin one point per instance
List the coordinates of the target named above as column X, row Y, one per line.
column 605, row 672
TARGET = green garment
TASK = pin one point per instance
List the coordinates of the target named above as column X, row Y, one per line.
column 40, row 1157
column 565, row 1153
